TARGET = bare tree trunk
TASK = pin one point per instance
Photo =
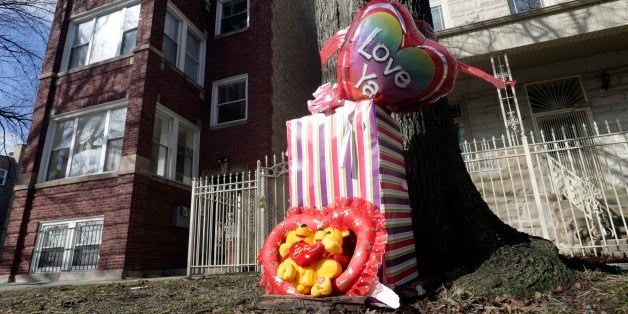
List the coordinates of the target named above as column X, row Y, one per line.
column 455, row 231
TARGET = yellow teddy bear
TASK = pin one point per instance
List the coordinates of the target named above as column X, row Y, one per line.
column 302, row 278
column 331, row 265
column 301, row 233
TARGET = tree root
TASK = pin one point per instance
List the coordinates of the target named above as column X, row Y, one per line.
column 519, row 269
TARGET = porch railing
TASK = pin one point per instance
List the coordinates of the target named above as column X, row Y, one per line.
column 572, row 190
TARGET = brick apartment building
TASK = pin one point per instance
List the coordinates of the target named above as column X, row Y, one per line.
column 135, row 99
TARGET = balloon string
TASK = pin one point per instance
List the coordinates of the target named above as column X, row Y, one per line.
column 332, row 45
column 498, row 83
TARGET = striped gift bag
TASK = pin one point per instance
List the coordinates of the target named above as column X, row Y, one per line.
column 355, row 152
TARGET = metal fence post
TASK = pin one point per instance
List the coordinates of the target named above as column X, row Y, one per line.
column 191, row 244
column 535, row 186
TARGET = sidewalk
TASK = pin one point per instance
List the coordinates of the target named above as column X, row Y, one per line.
column 46, row 284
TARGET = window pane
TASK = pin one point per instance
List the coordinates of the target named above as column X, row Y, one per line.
column 116, row 125
column 58, row 164
column 232, row 112
column 106, row 37
column 171, row 28
column 128, row 41
column 231, row 92
column 518, row 6
column 78, row 56
column 83, row 33
column 131, row 18
column 234, row 22
column 61, row 149
column 191, row 68
column 162, row 130
column 88, row 144
column 161, row 137
column 185, row 155
column 54, row 236
column 192, row 57
column 234, row 15
column 63, row 137
column 85, row 257
column 193, row 46
column 52, row 247
column 437, row 18
column 230, row 8
column 87, row 245
column 159, row 160
column 170, row 50
column 114, row 153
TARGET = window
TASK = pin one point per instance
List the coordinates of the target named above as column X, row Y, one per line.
column 231, row 15
column 184, row 45
column 72, row 245
column 3, row 176
column 101, row 36
column 565, row 93
column 519, row 6
column 86, row 142
column 175, row 147
column 229, row 100
column 438, row 17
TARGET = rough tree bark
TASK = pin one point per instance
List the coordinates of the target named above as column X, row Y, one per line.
column 458, row 238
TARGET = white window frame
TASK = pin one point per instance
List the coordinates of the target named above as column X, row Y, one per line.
column 70, row 243
column 52, row 130
column 227, row 81
column 219, row 9
column 184, row 26
column 171, row 166
column 445, row 12
column 93, row 15
column 3, row 176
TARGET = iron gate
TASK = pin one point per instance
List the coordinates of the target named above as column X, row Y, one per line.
column 231, row 214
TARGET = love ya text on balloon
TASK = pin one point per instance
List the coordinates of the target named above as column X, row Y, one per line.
column 381, row 54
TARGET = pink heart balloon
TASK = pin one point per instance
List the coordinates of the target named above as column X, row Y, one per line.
column 387, row 59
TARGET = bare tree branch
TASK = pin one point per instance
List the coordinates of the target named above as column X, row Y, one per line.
column 24, row 29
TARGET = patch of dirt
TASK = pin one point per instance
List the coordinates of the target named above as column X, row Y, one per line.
column 591, row 292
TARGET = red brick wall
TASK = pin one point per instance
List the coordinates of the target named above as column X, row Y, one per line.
column 108, row 197
column 153, row 243
column 137, row 209
column 245, row 52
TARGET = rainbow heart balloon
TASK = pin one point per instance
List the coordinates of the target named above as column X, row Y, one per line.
column 387, row 59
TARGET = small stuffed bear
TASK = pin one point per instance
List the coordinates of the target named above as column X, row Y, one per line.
column 311, row 267
column 330, row 266
column 294, row 248
column 301, row 233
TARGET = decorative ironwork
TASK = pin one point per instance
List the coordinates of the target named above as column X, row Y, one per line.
column 558, row 94
column 512, row 120
column 231, row 215
column 586, row 197
column 502, row 73
column 69, row 246
column 584, row 204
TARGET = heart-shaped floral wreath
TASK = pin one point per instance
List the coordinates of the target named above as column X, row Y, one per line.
column 356, row 215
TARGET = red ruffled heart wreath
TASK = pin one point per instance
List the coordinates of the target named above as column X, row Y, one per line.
column 360, row 217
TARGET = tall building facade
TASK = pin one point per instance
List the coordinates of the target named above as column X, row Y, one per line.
column 135, row 99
